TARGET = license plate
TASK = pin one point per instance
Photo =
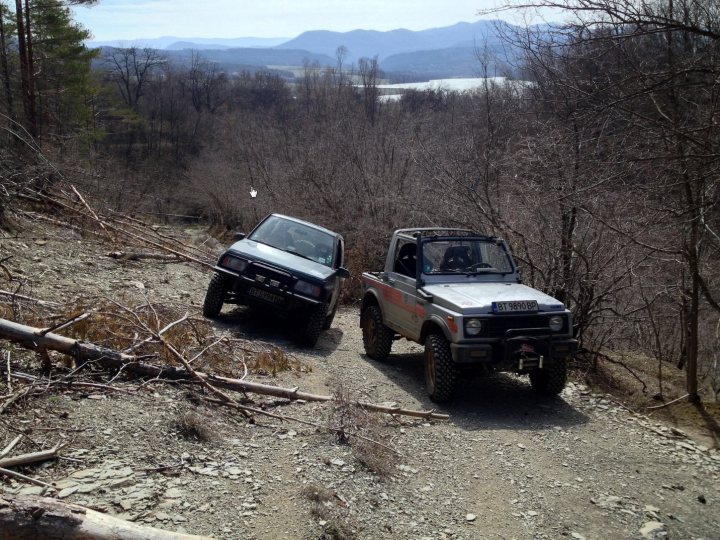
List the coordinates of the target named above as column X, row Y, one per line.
column 519, row 305
column 264, row 295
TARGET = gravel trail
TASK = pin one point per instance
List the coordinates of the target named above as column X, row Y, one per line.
column 506, row 465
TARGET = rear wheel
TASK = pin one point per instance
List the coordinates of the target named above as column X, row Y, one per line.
column 215, row 296
column 377, row 338
column 549, row 381
column 440, row 370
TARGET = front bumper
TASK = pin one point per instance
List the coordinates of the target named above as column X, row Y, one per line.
column 517, row 353
column 246, row 290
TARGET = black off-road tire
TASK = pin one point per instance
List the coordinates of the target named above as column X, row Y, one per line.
column 377, row 338
column 440, row 370
column 310, row 331
column 549, row 381
column 329, row 319
column 215, row 296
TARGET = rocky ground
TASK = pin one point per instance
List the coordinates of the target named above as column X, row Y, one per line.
column 505, row 465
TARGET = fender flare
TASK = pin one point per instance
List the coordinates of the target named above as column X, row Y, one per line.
column 370, row 298
column 435, row 321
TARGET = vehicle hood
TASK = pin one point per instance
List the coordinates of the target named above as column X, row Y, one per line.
column 478, row 297
column 257, row 252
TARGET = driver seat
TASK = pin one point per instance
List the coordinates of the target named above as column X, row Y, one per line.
column 406, row 262
column 456, row 258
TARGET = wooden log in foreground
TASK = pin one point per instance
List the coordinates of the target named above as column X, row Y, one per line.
column 33, row 338
column 34, row 457
column 42, row 518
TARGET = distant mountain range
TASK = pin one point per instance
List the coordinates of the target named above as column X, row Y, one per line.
column 370, row 43
column 446, row 52
column 173, row 42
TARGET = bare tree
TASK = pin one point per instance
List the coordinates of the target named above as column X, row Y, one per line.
column 130, row 69
column 652, row 65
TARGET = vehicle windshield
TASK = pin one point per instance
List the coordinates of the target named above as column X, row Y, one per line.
column 465, row 256
column 294, row 237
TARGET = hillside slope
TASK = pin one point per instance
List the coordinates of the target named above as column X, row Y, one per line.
column 506, row 464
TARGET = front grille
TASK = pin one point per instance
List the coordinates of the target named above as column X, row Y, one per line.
column 267, row 275
column 499, row 325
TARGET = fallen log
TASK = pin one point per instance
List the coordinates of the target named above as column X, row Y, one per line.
column 137, row 255
column 34, row 457
column 294, row 394
column 29, row 337
column 23, row 478
column 43, row 518
column 30, row 299
column 32, row 338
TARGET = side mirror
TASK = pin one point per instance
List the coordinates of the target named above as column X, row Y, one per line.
column 342, row 273
column 520, row 274
column 238, row 236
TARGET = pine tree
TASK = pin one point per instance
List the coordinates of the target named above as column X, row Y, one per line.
column 54, row 66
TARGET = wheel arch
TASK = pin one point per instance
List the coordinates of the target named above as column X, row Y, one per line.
column 434, row 325
column 371, row 298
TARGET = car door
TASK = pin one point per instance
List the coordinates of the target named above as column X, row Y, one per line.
column 400, row 293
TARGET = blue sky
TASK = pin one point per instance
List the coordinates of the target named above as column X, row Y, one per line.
column 134, row 19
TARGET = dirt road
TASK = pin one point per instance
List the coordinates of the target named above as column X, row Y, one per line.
column 506, row 465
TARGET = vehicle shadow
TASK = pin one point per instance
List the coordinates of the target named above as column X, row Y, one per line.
column 494, row 402
column 257, row 325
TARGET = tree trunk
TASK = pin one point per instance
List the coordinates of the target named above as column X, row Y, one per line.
column 28, row 98
column 22, row 54
column 41, row 518
column 32, row 97
column 5, row 70
column 693, row 256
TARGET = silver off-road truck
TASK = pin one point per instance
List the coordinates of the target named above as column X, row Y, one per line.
column 460, row 294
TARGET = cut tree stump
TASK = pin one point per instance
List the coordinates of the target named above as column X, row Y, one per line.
column 43, row 518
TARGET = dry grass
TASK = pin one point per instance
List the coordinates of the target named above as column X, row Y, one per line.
column 641, row 391
column 362, row 431
column 326, row 509
column 193, row 427
column 273, row 361
column 121, row 324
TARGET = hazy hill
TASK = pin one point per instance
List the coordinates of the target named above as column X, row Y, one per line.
column 180, row 45
column 238, row 59
column 403, row 54
column 166, row 42
column 450, row 62
column 369, row 43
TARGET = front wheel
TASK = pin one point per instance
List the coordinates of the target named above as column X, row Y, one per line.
column 377, row 338
column 440, row 370
column 313, row 327
column 329, row 319
column 215, row 296
column 549, row 381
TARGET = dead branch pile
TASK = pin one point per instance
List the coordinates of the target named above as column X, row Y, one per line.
column 169, row 352
column 66, row 206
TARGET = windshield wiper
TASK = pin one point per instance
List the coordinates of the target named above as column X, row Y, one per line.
column 299, row 255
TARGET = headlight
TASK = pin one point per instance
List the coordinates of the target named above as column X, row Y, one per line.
column 239, row 265
column 556, row 323
column 309, row 289
column 473, row 327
